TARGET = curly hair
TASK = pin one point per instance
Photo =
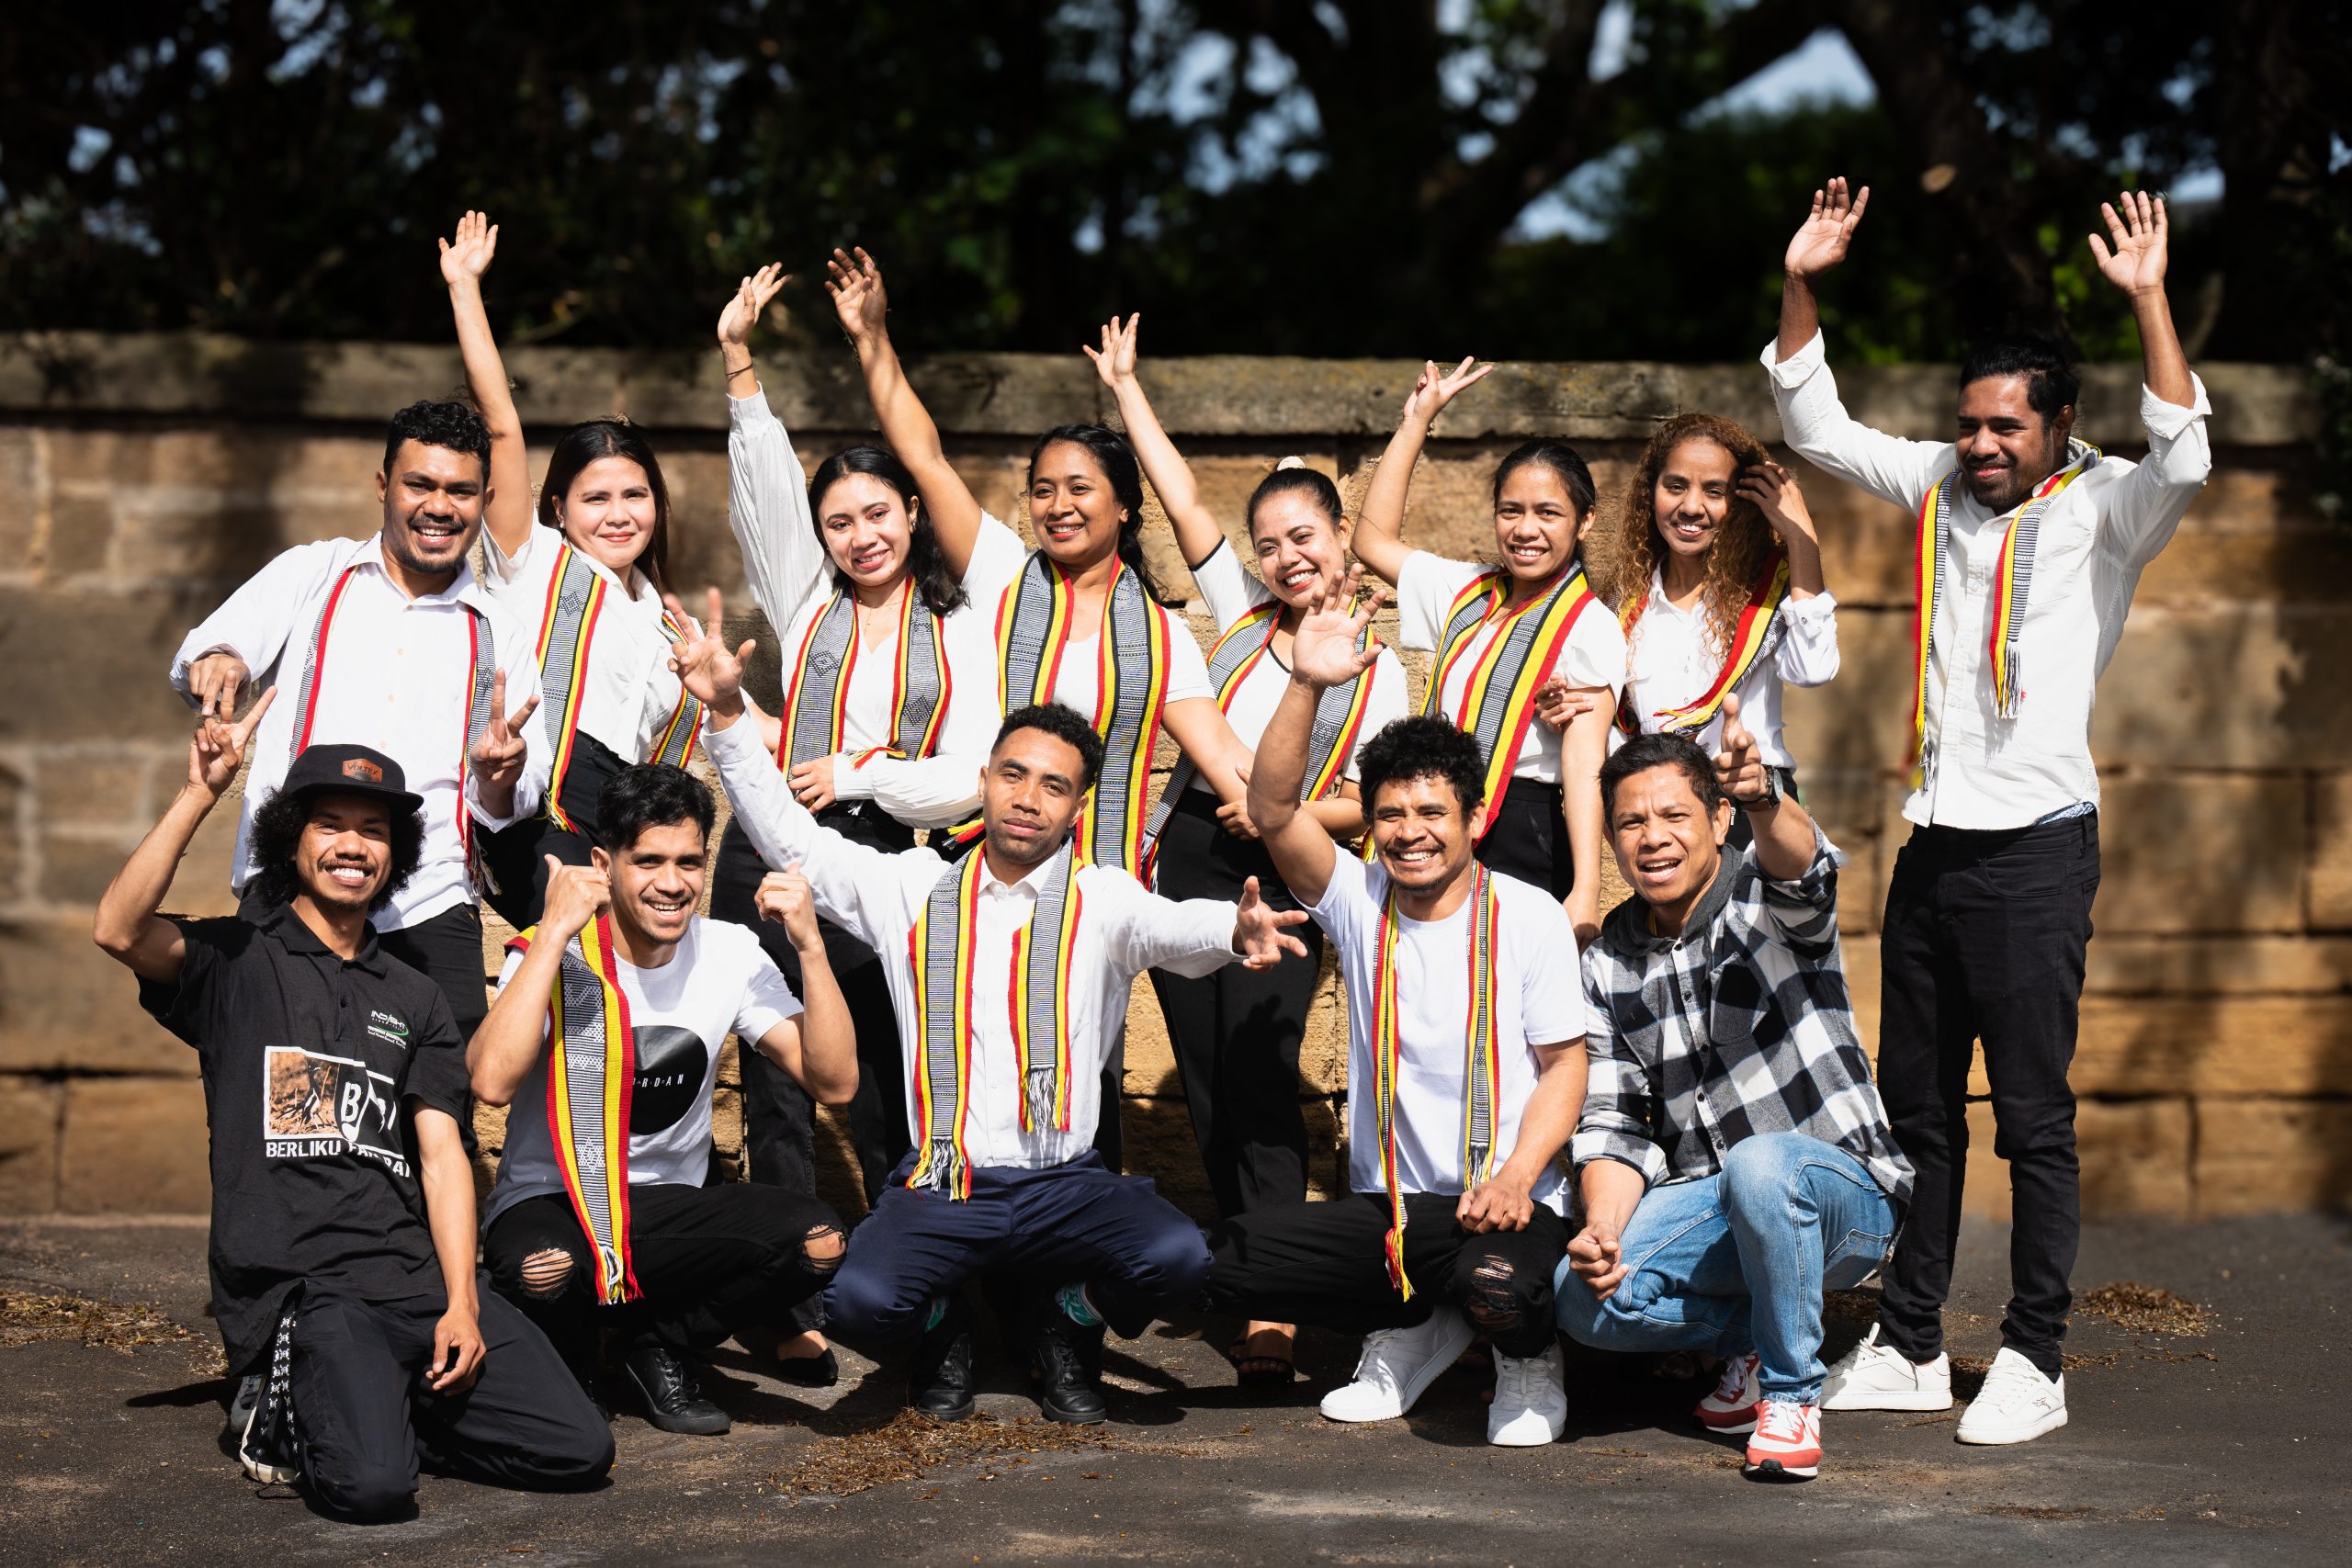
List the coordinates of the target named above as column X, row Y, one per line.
column 433, row 421
column 1423, row 746
column 1063, row 724
column 277, row 840
column 1630, row 548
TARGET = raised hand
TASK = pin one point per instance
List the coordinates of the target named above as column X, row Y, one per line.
column 576, row 895
column 1739, row 767
column 2141, row 237
column 497, row 758
column 1559, row 704
column 467, row 257
column 1774, row 491
column 1261, row 932
column 712, row 673
column 217, row 750
column 785, row 898
column 217, row 681
column 1433, row 388
column 1323, row 649
column 1116, row 360
column 750, row 304
column 1821, row 240
column 855, row 283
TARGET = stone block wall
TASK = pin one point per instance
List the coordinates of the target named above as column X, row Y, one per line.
column 142, row 477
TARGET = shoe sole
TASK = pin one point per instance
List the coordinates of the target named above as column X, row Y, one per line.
column 268, row 1474
column 1772, row 1470
column 2043, row 1428
column 1726, row 1423
column 661, row 1423
column 1552, row 1435
column 1068, row 1417
column 1430, row 1371
column 956, row 1413
column 1863, row 1401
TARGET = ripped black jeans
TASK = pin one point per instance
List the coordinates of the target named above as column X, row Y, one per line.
column 1324, row 1264
column 710, row 1261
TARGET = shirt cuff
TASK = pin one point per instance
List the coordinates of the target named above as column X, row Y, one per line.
column 749, row 410
column 850, row 781
column 1826, row 858
column 739, row 742
column 1822, row 607
column 1790, row 374
column 1638, row 1153
column 2165, row 420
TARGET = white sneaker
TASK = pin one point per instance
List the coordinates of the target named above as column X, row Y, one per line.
column 1873, row 1376
column 2016, row 1404
column 1732, row 1408
column 1530, row 1406
column 1396, row 1366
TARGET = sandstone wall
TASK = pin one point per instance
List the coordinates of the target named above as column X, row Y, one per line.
column 142, row 477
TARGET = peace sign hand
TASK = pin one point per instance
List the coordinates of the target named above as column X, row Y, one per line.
column 1739, row 767
column 1116, row 361
column 1323, row 649
column 2141, row 237
column 1821, row 240
column 217, row 681
column 467, row 257
column 497, row 758
column 217, row 750
column 713, row 674
column 1433, row 388
column 856, row 287
column 750, row 304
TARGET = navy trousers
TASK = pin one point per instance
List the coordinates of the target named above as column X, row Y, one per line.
column 1070, row 1223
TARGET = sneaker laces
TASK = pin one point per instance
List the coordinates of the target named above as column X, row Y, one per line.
column 1515, row 1379
column 1734, row 1381
column 1780, row 1419
column 2011, row 1381
column 1374, row 1358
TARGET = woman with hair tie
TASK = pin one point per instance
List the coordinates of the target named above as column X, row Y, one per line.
column 890, row 708
column 1078, row 620
column 1237, row 1031
column 1714, row 569
column 586, row 577
column 1507, row 637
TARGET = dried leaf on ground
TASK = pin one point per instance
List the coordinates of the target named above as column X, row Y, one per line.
column 2147, row 1309
column 912, row 1446
column 29, row 1318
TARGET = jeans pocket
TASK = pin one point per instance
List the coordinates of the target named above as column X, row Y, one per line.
column 1854, row 1259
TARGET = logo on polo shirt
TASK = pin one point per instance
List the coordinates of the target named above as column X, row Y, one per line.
column 385, row 1027
column 363, row 770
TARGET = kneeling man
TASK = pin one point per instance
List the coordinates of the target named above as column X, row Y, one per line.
column 610, row 1016
column 1010, row 972
column 1465, row 1045
column 1734, row 1155
column 343, row 1205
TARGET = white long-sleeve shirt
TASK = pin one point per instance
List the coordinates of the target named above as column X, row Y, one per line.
column 792, row 579
column 395, row 678
column 2098, row 535
column 1122, row 931
column 1672, row 658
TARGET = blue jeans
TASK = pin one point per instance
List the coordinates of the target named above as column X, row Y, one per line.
column 1738, row 1262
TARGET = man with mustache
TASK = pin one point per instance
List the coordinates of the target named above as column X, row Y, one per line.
column 1010, row 973
column 390, row 642
column 2029, row 543
column 342, row 1245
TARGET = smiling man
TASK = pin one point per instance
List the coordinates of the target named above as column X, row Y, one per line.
column 343, row 1205
column 1466, row 1032
column 389, row 642
column 2030, row 544
column 1010, row 972
column 1733, row 1154
column 612, row 1010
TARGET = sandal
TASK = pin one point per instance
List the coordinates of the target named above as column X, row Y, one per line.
column 1262, row 1370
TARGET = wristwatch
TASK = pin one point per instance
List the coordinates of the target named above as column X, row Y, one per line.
column 1764, row 799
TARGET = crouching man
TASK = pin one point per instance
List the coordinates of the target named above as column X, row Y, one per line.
column 343, row 1205
column 1734, row 1155
column 606, row 1037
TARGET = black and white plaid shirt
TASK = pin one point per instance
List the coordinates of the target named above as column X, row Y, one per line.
column 1740, row 1026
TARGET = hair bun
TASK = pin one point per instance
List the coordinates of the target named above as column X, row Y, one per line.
column 1293, row 461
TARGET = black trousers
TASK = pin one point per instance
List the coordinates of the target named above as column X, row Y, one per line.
column 448, row 949
column 779, row 1134
column 514, row 855
column 1529, row 839
column 1325, row 1264
column 366, row 1417
column 1237, row 1031
column 1985, row 939
column 710, row 1261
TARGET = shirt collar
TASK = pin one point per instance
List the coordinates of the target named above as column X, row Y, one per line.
column 1029, row 883
column 282, row 923
column 464, row 589
column 1627, row 928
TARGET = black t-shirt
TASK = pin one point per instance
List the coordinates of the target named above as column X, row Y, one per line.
column 313, row 1068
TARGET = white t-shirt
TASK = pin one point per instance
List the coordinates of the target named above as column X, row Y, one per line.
column 998, row 556
column 1594, row 654
column 1231, row 592
column 1539, row 998
column 632, row 693
column 717, row 981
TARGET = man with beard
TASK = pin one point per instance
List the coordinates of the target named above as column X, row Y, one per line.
column 390, row 642
column 1004, row 1098
column 2029, row 543
column 610, row 1016
column 1465, row 1051
column 342, row 1204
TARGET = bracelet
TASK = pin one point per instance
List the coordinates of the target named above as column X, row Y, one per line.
column 746, row 370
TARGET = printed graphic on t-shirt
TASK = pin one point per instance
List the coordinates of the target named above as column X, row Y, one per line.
column 319, row 1107
column 670, row 1066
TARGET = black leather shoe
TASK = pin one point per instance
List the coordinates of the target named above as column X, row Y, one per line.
column 1069, row 1369
column 939, row 1384
column 810, row 1371
column 673, row 1400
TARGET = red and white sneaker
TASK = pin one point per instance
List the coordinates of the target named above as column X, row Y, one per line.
column 1732, row 1408
column 1787, row 1442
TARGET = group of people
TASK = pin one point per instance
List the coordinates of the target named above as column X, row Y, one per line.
column 1654, row 1131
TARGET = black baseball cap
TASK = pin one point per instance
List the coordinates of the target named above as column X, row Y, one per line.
column 352, row 769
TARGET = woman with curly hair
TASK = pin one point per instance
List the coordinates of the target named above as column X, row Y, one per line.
column 1714, row 569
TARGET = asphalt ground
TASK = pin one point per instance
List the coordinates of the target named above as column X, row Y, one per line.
column 2226, row 1445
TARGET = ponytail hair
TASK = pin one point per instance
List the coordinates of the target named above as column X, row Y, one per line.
column 1562, row 459
column 1117, row 459
column 1293, row 476
column 926, row 563
column 590, row 441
